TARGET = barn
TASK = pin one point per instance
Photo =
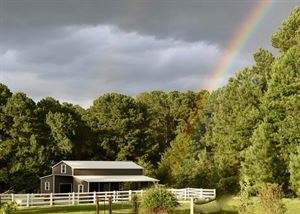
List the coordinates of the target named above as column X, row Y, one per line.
column 89, row 176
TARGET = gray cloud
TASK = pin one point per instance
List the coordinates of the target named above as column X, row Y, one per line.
column 87, row 61
column 76, row 50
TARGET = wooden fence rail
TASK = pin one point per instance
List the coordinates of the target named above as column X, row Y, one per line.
column 91, row 197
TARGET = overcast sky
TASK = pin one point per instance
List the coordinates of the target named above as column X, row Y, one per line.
column 77, row 50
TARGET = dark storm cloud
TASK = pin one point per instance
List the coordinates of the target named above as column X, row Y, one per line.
column 76, row 50
column 89, row 60
column 188, row 20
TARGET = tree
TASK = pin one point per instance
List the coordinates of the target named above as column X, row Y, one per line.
column 21, row 149
column 294, row 166
column 278, row 134
column 171, row 161
column 288, row 34
column 119, row 122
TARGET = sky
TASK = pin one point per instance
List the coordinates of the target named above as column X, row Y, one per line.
column 78, row 50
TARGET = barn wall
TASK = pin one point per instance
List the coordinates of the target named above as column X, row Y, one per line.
column 57, row 170
column 47, row 179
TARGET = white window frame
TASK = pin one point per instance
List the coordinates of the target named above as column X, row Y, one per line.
column 47, row 185
column 63, row 169
column 80, row 188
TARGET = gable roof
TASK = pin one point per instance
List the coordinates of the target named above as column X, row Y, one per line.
column 116, row 178
column 101, row 164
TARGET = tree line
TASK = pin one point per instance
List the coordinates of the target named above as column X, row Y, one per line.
column 34, row 136
column 248, row 129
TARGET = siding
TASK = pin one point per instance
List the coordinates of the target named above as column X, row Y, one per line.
column 47, row 179
column 108, row 171
column 57, row 170
column 77, row 182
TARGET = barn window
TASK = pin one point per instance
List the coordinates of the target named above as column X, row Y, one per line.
column 63, row 168
column 47, row 185
column 80, row 188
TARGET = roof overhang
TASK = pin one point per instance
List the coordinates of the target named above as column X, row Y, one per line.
column 117, row 178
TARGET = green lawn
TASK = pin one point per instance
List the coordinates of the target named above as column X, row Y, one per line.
column 228, row 206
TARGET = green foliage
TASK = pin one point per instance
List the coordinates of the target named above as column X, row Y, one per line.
column 135, row 200
column 246, row 203
column 119, row 122
column 288, row 34
column 158, row 200
column 170, row 166
column 270, row 197
column 248, row 128
column 294, row 167
column 8, row 208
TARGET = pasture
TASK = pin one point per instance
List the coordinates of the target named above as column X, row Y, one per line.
column 225, row 206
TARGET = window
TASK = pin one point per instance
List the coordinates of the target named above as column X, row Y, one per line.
column 47, row 185
column 80, row 188
column 63, row 168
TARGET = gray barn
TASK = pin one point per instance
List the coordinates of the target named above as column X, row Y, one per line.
column 89, row 176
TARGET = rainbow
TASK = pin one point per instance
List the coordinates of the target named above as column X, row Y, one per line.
column 240, row 38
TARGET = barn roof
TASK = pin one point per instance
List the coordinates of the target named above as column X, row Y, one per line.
column 101, row 164
column 116, row 178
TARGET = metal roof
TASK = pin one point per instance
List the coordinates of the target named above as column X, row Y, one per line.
column 117, row 178
column 102, row 164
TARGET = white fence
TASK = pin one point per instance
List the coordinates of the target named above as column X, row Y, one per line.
column 91, row 197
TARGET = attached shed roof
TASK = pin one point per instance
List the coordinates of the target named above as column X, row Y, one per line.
column 117, row 178
column 102, row 164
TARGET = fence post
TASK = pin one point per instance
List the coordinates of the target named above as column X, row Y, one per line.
column 27, row 201
column 185, row 194
column 192, row 206
column 51, row 199
column 201, row 193
column 73, row 198
column 97, row 206
column 114, row 195
column 141, row 192
column 31, row 199
column 94, row 197
column 110, row 205
column 214, row 193
column 12, row 197
column 129, row 195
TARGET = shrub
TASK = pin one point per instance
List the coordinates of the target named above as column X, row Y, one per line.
column 158, row 200
column 270, row 197
column 246, row 204
column 135, row 203
column 8, row 208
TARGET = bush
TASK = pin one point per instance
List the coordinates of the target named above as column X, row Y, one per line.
column 270, row 197
column 246, row 204
column 158, row 200
column 8, row 208
column 135, row 203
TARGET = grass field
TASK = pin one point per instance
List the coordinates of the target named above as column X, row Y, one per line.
column 228, row 206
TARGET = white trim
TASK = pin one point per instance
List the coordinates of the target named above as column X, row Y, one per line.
column 79, row 186
column 54, row 186
column 46, row 176
column 63, row 168
column 57, row 163
column 47, row 186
